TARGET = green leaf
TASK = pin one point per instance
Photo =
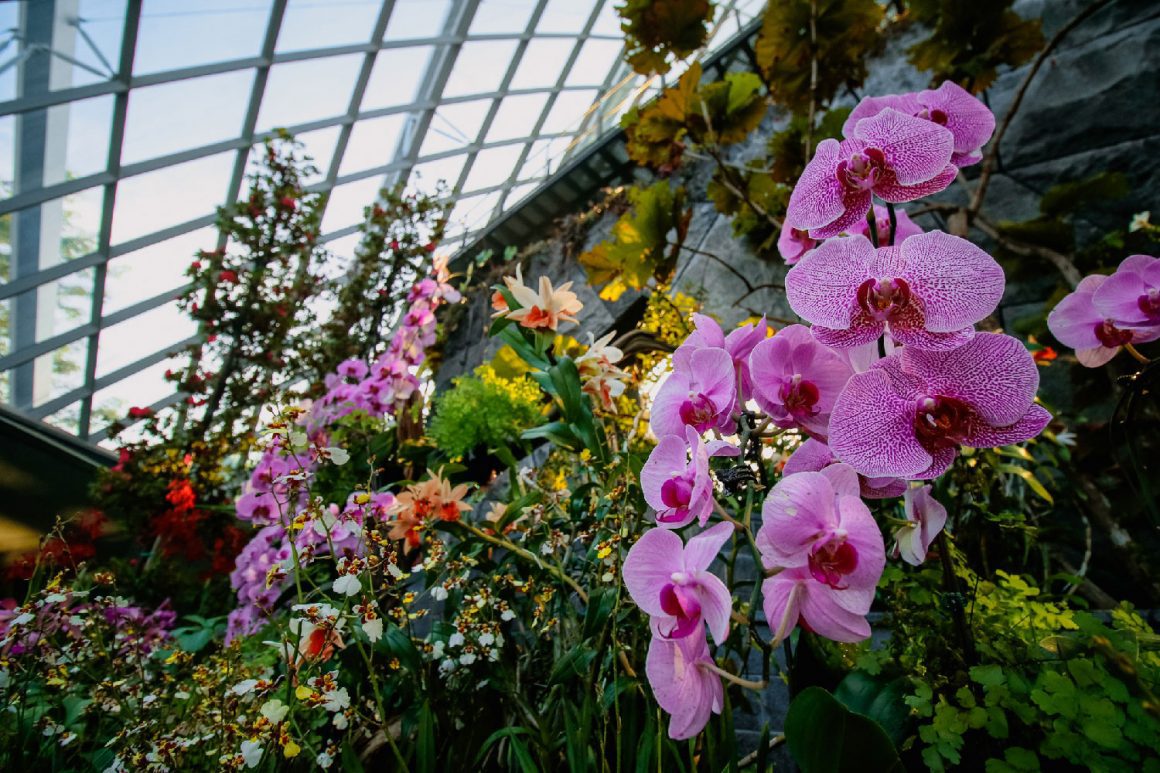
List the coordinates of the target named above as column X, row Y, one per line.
column 1029, row 478
column 879, row 699
column 574, row 663
column 824, row 736
column 425, row 740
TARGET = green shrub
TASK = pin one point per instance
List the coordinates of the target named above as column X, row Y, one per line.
column 484, row 409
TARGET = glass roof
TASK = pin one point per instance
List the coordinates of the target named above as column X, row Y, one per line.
column 124, row 123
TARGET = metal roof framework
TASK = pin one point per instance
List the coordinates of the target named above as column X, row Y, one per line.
column 52, row 36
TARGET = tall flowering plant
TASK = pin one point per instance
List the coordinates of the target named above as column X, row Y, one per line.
column 889, row 379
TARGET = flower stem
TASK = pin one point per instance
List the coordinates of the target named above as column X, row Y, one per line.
column 748, row 684
column 893, row 223
column 1136, row 354
column 872, row 222
column 528, row 556
column 955, row 597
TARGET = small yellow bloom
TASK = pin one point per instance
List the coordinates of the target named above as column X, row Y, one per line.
column 291, row 749
column 303, row 692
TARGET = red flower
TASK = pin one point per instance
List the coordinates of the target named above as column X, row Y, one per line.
column 394, row 244
column 287, row 202
column 228, row 276
column 430, row 247
column 137, row 412
column 1044, row 355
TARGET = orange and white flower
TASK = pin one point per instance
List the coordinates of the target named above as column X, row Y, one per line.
column 598, row 372
column 545, row 309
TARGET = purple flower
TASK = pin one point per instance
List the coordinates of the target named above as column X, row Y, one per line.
column 969, row 121
column 925, row 518
column 793, row 595
column 680, row 489
column 671, row 582
column 815, row 456
column 1131, row 296
column 700, row 393
column 796, row 379
column 1096, row 338
column 260, row 509
column 684, row 684
column 793, row 243
column 905, row 227
column 893, row 156
column 352, row 368
column 929, row 291
column 908, row 414
column 816, row 521
column 739, row 343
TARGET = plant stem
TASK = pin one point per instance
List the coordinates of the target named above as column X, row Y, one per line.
column 872, row 222
column 893, row 223
column 748, row 684
column 951, row 588
column 1136, row 354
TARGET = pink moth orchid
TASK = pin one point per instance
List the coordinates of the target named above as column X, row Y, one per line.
column 925, row 518
column 680, row 489
column 796, row 380
column 929, row 291
column 817, row 520
column 793, row 244
column 684, row 683
column 815, row 456
column 672, row 583
column 739, row 343
column 970, row 122
column 907, row 416
column 1131, row 296
column 893, row 156
column 1077, row 322
column 700, row 393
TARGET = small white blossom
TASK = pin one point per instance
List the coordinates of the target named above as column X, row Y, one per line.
column 447, row 666
column 507, row 614
column 1140, row 220
column 455, row 640
column 340, row 721
column 252, row 753
column 339, row 456
column 467, row 658
column 348, row 585
column 486, row 639
column 274, row 710
column 324, row 760
column 244, row 687
column 394, row 570
column 439, row 593
column 546, row 548
column 437, row 649
column 336, row 700
column 373, row 628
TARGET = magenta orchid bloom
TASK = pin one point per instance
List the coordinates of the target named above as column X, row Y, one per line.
column 816, row 520
column 796, row 380
column 793, row 596
column 907, row 416
column 929, row 291
column 678, row 488
column 683, row 682
column 671, row 582
column 1131, row 296
column 815, row 456
column 1096, row 338
column 793, row 243
column 969, row 121
column 700, row 393
column 925, row 518
column 904, row 226
column 893, row 156
column 739, row 343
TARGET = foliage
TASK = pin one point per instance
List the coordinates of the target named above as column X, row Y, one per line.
column 717, row 113
column 654, row 30
column 824, row 736
column 969, row 42
column 833, row 36
column 639, row 249
column 483, row 410
column 755, row 200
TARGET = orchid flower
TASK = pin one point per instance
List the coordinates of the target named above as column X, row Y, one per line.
column 796, row 379
column 672, row 583
column 1131, row 296
column 700, row 393
column 929, row 291
column 680, row 489
column 893, row 156
column 739, row 343
column 1096, row 338
column 793, row 244
column 908, row 414
column 683, row 684
column 815, row 456
column 925, row 518
column 970, row 122
column 545, row 309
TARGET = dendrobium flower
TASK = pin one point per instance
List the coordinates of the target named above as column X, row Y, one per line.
column 815, row 456
column 969, row 121
column 680, row 489
column 908, row 414
column 1131, row 296
column 929, row 291
column 543, row 310
column 904, row 226
column 672, row 583
column 817, row 520
column 700, row 393
column 1077, row 322
column 796, row 379
column 925, row 518
column 599, row 375
column 683, row 684
column 893, row 156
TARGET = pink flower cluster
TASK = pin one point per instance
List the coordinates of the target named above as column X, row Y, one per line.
column 1107, row 313
column 886, row 383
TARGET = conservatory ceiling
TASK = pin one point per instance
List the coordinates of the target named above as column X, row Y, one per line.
column 124, row 123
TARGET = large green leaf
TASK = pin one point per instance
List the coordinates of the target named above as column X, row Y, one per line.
column 879, row 699
column 826, row 737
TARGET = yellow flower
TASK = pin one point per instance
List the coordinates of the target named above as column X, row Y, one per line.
column 291, row 749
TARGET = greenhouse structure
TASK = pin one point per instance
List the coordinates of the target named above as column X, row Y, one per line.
column 586, row 385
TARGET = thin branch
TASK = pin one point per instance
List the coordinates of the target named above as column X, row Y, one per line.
column 735, row 272
column 1062, row 262
column 993, row 154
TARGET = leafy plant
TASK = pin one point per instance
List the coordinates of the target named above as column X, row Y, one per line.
column 657, row 29
column 484, row 410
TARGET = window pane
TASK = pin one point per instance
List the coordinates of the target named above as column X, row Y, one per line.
column 495, row 17
column 78, row 139
column 301, row 92
column 542, row 64
column 176, row 194
column 417, row 19
column 104, row 22
column 492, row 167
column 176, row 34
column 567, row 16
column 310, row 24
column 347, row 203
column 396, row 76
column 319, row 145
column 426, row 177
column 154, row 269
column 372, row 143
column 516, row 116
column 174, row 117
column 134, row 339
column 64, row 304
column 141, row 389
column 454, row 126
column 60, row 371
column 568, row 111
column 596, row 60
column 480, row 67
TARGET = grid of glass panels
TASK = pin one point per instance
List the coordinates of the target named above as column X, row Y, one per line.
column 124, row 123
